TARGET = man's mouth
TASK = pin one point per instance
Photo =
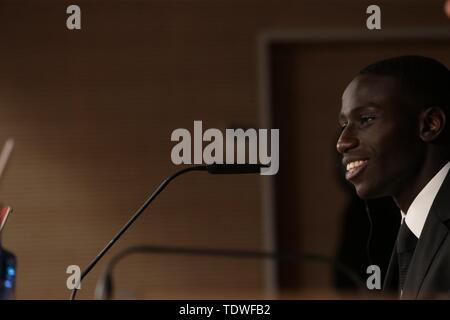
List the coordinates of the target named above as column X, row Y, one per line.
column 354, row 168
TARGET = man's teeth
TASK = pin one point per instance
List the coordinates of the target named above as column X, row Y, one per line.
column 355, row 164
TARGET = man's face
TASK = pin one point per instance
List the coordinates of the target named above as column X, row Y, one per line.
column 379, row 142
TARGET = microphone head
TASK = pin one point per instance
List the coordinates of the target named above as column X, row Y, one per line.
column 234, row 168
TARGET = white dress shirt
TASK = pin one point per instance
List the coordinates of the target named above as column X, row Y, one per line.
column 418, row 210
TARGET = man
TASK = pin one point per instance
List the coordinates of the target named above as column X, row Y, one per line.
column 395, row 120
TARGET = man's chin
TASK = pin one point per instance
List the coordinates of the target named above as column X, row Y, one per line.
column 367, row 193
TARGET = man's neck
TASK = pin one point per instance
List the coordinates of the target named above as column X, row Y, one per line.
column 404, row 198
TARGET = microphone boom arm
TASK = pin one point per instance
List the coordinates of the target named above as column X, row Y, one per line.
column 211, row 168
column 136, row 215
column 104, row 289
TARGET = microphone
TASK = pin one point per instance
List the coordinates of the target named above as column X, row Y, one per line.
column 234, row 168
column 212, row 169
column 105, row 285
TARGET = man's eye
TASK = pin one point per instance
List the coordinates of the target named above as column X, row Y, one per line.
column 367, row 119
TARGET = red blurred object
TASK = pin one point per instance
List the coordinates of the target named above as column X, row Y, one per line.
column 447, row 8
column 4, row 213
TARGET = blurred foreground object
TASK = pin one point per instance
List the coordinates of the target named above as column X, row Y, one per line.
column 447, row 8
column 8, row 260
column 6, row 152
column 7, row 263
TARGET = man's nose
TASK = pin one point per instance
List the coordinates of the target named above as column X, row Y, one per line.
column 346, row 141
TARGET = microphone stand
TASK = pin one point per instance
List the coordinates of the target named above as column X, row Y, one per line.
column 105, row 286
column 213, row 169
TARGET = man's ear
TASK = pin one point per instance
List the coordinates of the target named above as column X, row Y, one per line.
column 432, row 123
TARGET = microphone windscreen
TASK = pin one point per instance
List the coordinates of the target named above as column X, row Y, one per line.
column 234, row 168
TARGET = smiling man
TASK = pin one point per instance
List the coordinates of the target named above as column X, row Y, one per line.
column 395, row 142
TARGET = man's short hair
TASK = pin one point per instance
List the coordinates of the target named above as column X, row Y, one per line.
column 425, row 80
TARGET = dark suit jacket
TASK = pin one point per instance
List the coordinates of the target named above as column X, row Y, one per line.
column 429, row 272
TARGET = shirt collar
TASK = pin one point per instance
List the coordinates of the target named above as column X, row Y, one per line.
column 418, row 210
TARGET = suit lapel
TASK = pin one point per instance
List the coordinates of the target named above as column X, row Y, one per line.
column 433, row 234
column 431, row 239
column 390, row 284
